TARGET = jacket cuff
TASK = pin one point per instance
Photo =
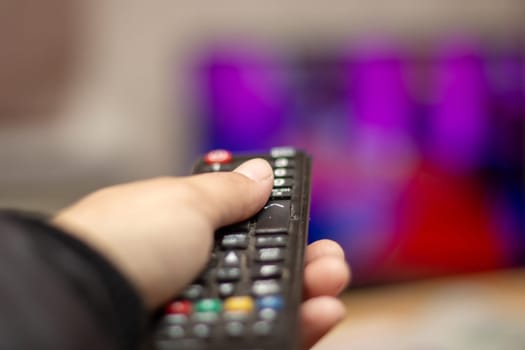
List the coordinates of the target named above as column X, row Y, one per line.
column 127, row 308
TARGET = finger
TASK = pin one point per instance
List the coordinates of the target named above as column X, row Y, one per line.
column 327, row 275
column 229, row 197
column 322, row 248
column 318, row 316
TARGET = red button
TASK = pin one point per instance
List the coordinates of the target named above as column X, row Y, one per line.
column 220, row 156
column 179, row 307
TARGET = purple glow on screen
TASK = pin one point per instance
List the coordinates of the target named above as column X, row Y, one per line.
column 245, row 95
column 459, row 116
column 402, row 139
column 378, row 87
column 507, row 80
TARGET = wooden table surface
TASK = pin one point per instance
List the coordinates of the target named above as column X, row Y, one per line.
column 478, row 311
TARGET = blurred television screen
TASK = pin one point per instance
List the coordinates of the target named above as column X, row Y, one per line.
column 418, row 145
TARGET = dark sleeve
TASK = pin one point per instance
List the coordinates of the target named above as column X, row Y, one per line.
column 57, row 293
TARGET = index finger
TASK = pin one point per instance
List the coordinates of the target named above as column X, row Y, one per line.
column 323, row 248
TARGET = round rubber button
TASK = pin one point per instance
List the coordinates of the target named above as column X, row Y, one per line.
column 179, row 307
column 281, row 162
column 270, row 302
column 201, row 331
column 193, row 292
column 262, row 328
column 240, row 304
column 220, row 156
column 234, row 329
column 175, row 319
column 268, row 314
column 175, row 332
column 226, row 289
column 208, row 305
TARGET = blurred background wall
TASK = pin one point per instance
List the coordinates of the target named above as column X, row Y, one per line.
column 98, row 92
column 95, row 92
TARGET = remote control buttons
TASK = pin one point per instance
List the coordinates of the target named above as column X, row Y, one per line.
column 193, row 292
column 283, row 163
column 265, row 287
column 267, row 271
column 262, row 328
column 239, row 304
column 281, row 152
column 269, row 255
column 201, row 331
column 281, row 172
column 274, row 217
column 282, row 182
column 234, row 329
column 179, row 307
column 175, row 319
column 271, row 241
column 174, row 332
column 208, row 305
column 235, row 241
column 281, row 193
column 268, row 314
column 226, row 289
column 218, row 156
column 231, row 259
column 228, row 274
column 274, row 302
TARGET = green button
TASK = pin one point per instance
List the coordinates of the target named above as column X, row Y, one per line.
column 209, row 305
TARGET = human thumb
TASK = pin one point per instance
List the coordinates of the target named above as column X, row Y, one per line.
column 229, row 197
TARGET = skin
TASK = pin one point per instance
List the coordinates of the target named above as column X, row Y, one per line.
column 159, row 233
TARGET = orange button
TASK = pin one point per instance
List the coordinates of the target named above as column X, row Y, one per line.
column 244, row 304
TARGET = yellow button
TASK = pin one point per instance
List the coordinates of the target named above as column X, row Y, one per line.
column 245, row 304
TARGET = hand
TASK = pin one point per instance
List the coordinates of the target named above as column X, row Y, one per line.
column 159, row 233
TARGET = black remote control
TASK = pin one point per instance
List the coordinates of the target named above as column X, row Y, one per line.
column 249, row 295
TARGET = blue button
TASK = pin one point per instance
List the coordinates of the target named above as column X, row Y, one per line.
column 270, row 302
